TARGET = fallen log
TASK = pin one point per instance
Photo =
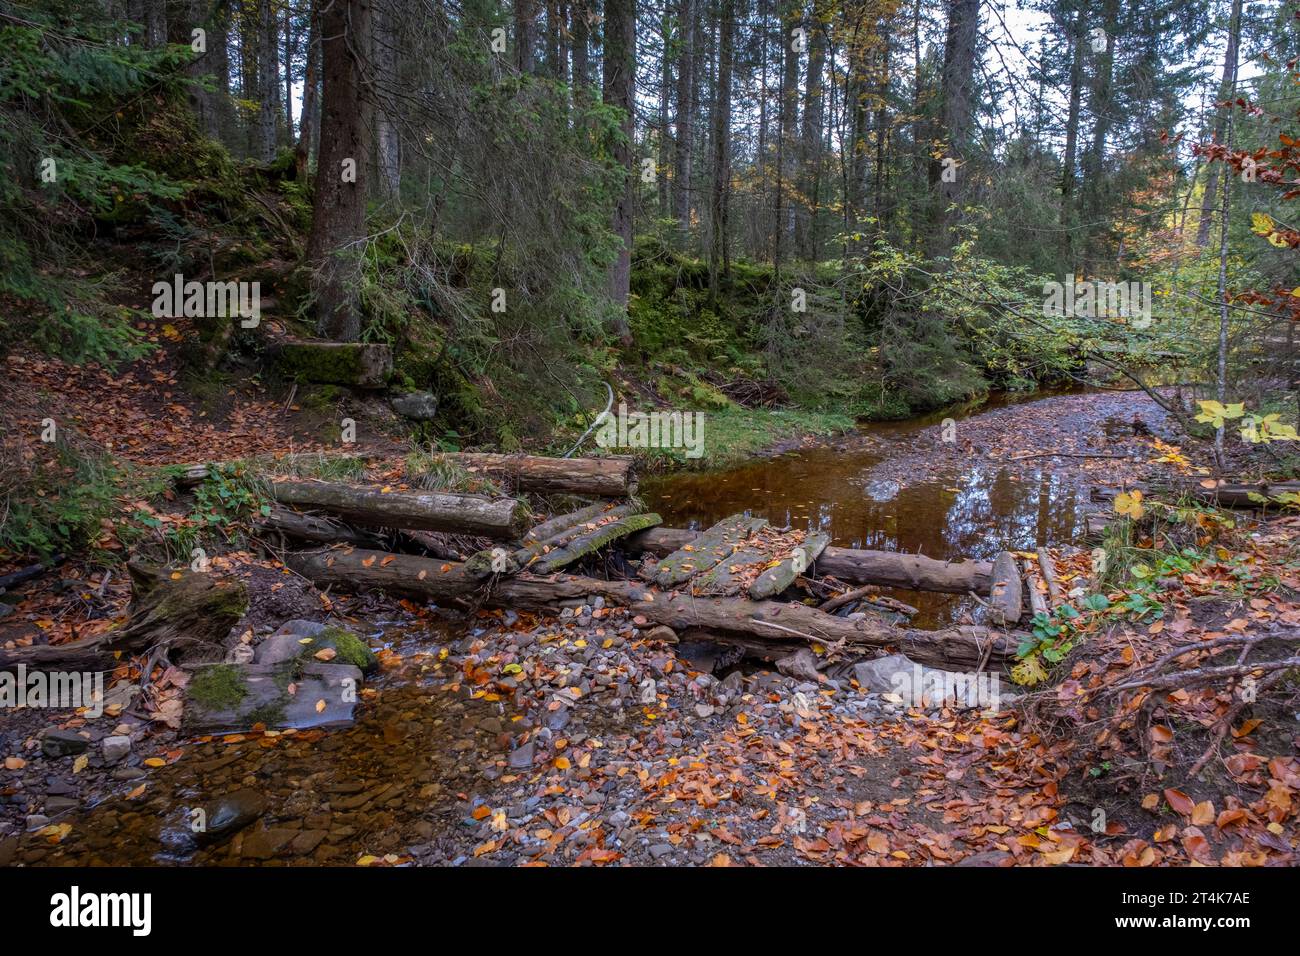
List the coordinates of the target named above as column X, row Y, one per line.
column 15, row 578
column 189, row 614
column 317, row 528
column 1006, row 593
column 1227, row 494
column 758, row 622
column 887, row 568
column 775, row 580
column 602, row 477
column 591, row 541
column 699, row 554
column 416, row 510
column 551, row 536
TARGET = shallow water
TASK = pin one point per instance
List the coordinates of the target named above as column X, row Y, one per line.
column 970, row 510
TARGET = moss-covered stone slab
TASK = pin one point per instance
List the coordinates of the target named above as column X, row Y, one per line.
column 706, row 551
column 776, row 579
column 359, row 364
column 230, row 698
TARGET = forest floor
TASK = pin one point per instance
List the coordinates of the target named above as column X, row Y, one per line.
column 511, row 738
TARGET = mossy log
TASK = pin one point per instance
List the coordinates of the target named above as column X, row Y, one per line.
column 592, row 541
column 188, row 612
column 570, row 527
column 416, row 510
column 703, row 552
column 775, row 580
column 887, row 568
column 613, row 477
column 956, row 648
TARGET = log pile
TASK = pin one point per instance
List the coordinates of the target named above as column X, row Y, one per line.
column 725, row 581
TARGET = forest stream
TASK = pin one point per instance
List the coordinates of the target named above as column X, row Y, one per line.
column 434, row 771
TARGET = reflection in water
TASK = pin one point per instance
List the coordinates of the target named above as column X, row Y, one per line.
column 974, row 511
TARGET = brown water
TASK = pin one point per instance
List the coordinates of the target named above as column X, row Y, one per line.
column 963, row 509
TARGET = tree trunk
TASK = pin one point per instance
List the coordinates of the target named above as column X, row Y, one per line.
column 268, row 80
column 598, row 477
column 759, row 622
column 619, row 78
column 886, row 568
column 810, row 157
column 310, row 120
column 957, row 112
column 339, row 210
column 191, row 613
column 719, row 261
column 581, row 40
column 386, row 133
column 1220, row 123
column 787, row 125
column 1101, row 105
column 422, row 511
column 1078, row 35
column 525, row 35
column 685, row 120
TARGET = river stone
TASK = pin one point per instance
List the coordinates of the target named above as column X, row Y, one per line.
column 802, row 663
column 63, row 743
column 230, row 813
column 287, row 643
column 115, row 748
column 522, row 758
column 420, row 406
column 876, row 676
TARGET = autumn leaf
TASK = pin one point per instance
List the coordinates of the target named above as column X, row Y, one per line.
column 1180, row 801
column 1129, row 503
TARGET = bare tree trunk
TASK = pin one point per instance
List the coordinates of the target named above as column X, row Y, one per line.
column 268, row 80
column 581, row 40
column 810, row 157
column 155, row 23
column 685, row 120
column 290, row 51
column 787, row 125
column 718, row 258
column 1229, row 83
column 1072, row 137
column 665, row 137
column 1220, row 123
column 310, row 121
column 1101, row 105
column 339, row 211
column 958, row 110
column 525, row 35
column 388, row 142
column 619, row 79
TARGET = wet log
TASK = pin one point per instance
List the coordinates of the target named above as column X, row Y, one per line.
column 887, row 568
column 190, row 614
column 554, row 535
column 699, row 554
column 415, row 510
column 1006, row 593
column 957, row 648
column 612, row 477
column 592, row 541
column 1226, row 494
column 775, row 580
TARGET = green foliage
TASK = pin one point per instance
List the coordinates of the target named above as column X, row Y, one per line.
column 229, row 494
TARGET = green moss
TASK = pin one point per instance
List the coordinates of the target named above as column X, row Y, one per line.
column 269, row 715
column 218, row 687
column 349, row 648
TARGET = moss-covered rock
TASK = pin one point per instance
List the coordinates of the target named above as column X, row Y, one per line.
column 362, row 365
column 218, row 687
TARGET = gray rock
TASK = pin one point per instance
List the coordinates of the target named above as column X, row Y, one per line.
column 115, row 748
column 802, row 664
column 420, row 406
column 522, row 757
column 662, row 633
column 876, row 677
column 660, row 850
column 63, row 743
column 229, row 813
